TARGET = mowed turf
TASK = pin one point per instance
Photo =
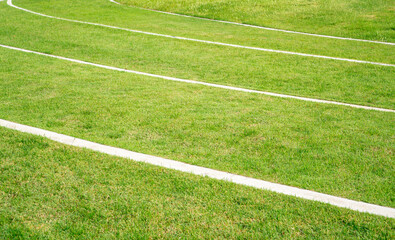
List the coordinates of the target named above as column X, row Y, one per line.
column 365, row 19
column 303, row 76
column 105, row 12
column 337, row 150
column 331, row 149
column 51, row 191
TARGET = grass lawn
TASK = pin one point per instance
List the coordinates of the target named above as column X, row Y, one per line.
column 336, row 150
column 50, row 191
column 105, row 12
column 365, row 19
column 333, row 80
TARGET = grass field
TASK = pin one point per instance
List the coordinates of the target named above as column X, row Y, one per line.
column 331, row 149
column 54, row 192
column 51, row 191
column 332, row 80
column 366, row 19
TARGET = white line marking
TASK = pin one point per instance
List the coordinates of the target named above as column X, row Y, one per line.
column 260, row 27
column 201, row 83
column 9, row 2
column 202, row 171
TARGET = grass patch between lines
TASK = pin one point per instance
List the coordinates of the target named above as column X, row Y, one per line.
column 336, row 150
column 53, row 191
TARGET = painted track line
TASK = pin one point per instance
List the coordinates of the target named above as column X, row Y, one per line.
column 260, row 27
column 200, row 83
column 9, row 2
column 206, row 172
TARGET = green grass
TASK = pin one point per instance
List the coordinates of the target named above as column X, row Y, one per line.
column 337, row 150
column 365, row 19
column 103, row 11
column 333, row 80
column 51, row 191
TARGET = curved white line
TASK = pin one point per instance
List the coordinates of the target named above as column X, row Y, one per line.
column 200, row 83
column 206, row 172
column 260, row 27
column 9, row 2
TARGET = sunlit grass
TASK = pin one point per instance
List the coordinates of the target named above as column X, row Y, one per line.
column 318, row 78
column 365, row 19
column 50, row 191
column 336, row 150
